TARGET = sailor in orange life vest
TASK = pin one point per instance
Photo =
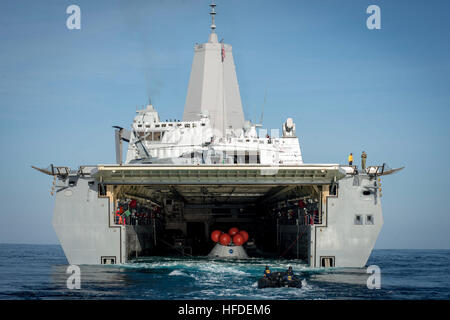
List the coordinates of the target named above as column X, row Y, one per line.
column 350, row 159
column 267, row 272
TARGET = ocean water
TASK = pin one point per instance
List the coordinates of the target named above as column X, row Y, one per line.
column 39, row 272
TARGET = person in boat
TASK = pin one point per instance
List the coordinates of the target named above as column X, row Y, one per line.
column 267, row 272
column 289, row 275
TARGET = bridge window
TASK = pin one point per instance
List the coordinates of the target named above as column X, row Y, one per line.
column 149, row 136
column 358, row 219
column 369, row 219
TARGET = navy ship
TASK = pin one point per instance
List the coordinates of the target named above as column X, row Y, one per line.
column 212, row 171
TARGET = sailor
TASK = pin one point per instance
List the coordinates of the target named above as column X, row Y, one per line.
column 350, row 159
column 267, row 272
column 289, row 275
column 363, row 160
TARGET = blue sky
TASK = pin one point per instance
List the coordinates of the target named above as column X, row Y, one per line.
column 348, row 89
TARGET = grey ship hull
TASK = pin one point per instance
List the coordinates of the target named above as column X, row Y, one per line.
column 350, row 221
column 338, row 227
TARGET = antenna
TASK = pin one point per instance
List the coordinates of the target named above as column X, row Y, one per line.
column 212, row 13
column 262, row 112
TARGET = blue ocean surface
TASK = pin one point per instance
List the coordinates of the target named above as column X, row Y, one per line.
column 39, row 272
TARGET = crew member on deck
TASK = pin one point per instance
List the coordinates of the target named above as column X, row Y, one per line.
column 363, row 160
column 350, row 159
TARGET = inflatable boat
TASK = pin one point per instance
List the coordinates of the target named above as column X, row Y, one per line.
column 278, row 280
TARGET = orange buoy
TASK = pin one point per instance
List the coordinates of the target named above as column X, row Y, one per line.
column 215, row 235
column 238, row 240
column 224, row 239
column 233, row 231
column 244, row 234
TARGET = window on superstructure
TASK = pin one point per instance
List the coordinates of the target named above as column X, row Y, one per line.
column 157, row 136
column 187, row 125
column 358, row 219
column 163, row 125
column 178, row 124
column 157, row 126
column 194, row 125
column 369, row 219
column 203, row 124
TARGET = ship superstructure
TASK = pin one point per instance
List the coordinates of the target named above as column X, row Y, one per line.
column 183, row 179
column 213, row 129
